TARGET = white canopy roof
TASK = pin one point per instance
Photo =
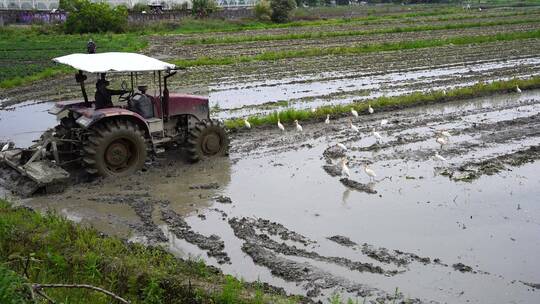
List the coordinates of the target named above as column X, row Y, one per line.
column 113, row 62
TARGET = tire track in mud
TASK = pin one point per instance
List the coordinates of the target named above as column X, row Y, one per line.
column 281, row 259
column 212, row 245
column 267, row 252
column 144, row 206
column 498, row 127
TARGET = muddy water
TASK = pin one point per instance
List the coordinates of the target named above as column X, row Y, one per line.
column 344, row 87
column 491, row 224
column 25, row 122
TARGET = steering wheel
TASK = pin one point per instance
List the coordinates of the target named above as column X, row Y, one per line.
column 127, row 95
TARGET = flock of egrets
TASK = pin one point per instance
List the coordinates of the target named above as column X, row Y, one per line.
column 441, row 137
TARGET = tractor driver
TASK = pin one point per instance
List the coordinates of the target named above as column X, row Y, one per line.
column 104, row 95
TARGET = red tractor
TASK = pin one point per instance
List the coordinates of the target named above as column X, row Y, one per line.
column 114, row 139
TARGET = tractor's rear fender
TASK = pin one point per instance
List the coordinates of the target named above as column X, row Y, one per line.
column 90, row 117
column 192, row 105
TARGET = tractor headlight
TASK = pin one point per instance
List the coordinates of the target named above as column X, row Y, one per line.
column 84, row 121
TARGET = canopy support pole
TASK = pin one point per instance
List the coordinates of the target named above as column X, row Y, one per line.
column 80, row 78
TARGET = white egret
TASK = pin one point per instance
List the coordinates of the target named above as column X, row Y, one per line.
column 439, row 157
column 342, row 146
column 353, row 127
column 344, row 169
column 442, row 141
column 354, row 113
column 298, row 126
column 444, row 91
column 370, row 172
column 370, row 109
column 280, row 125
column 5, row 147
column 384, row 122
column 518, row 89
column 313, row 110
column 377, row 136
column 327, row 120
column 446, row 134
column 247, row 124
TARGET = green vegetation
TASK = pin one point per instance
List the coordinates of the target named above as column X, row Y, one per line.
column 94, row 17
column 37, row 248
column 326, row 34
column 263, row 10
column 191, row 26
column 140, row 7
column 388, row 103
column 282, row 10
column 203, row 8
column 356, row 49
column 26, row 54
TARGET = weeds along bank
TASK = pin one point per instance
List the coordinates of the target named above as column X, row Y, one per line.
column 391, row 103
column 47, row 249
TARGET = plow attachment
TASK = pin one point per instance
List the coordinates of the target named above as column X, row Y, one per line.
column 29, row 171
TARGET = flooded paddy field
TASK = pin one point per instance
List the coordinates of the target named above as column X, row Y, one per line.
column 441, row 231
column 451, row 223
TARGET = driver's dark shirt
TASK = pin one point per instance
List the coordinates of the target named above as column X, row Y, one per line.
column 103, row 97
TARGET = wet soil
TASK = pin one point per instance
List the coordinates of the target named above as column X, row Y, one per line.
column 363, row 26
column 473, row 170
column 213, row 244
column 143, row 205
column 258, row 47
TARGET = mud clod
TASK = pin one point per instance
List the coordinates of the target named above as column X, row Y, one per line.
column 357, row 186
column 462, row 267
column 205, row 186
column 334, row 152
column 332, row 170
column 213, row 244
column 473, row 170
column 533, row 285
column 342, row 240
column 223, row 199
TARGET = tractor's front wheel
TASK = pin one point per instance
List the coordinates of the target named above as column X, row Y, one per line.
column 207, row 139
column 116, row 148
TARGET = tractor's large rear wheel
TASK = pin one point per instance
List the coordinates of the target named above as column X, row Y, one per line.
column 116, row 148
column 207, row 139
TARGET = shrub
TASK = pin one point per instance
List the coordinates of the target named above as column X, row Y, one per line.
column 282, row 9
column 184, row 6
column 263, row 10
column 140, row 7
column 87, row 17
column 203, row 8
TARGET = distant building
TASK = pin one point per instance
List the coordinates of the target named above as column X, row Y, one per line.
column 29, row 4
column 53, row 4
